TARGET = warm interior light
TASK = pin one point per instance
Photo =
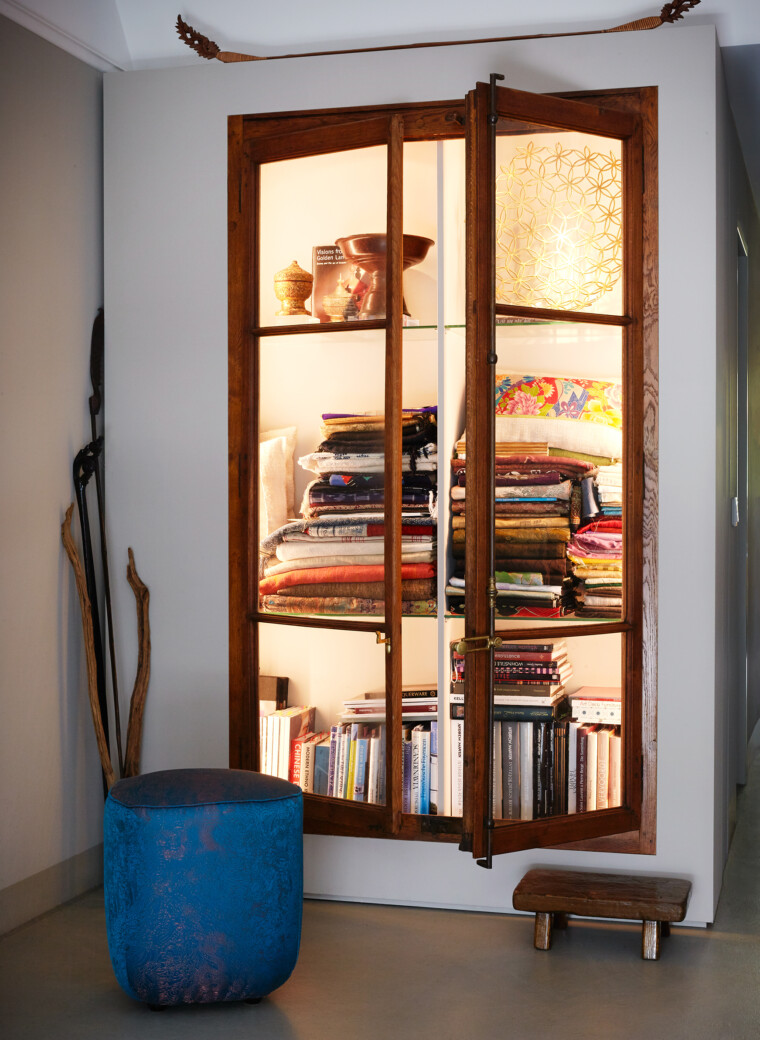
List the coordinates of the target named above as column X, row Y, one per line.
column 558, row 226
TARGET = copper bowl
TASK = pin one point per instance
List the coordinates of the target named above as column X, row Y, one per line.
column 368, row 252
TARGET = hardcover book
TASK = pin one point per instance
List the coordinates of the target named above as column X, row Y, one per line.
column 510, row 770
column 434, row 768
column 339, row 287
column 526, row 770
column 321, row 766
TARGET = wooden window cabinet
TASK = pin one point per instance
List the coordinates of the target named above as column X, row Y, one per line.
column 298, row 179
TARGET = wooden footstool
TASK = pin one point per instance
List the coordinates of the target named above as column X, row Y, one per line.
column 553, row 894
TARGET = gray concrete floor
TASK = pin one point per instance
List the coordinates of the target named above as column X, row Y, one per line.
column 391, row 972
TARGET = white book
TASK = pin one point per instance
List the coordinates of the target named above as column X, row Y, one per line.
column 345, row 749
column 381, row 767
column 263, row 743
column 273, row 739
column 614, row 797
column 605, row 713
column 526, row 770
column 373, row 771
column 602, row 768
column 457, row 767
column 433, row 767
column 425, row 771
column 496, row 772
column 359, row 792
column 591, row 771
column 416, row 782
column 572, row 767
column 307, row 763
column 339, row 749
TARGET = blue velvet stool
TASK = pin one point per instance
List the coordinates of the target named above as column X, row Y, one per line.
column 203, row 884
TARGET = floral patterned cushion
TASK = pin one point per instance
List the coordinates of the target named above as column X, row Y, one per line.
column 560, row 397
column 567, row 412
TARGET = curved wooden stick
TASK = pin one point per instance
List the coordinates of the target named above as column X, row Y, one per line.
column 142, row 678
column 206, row 48
column 89, row 647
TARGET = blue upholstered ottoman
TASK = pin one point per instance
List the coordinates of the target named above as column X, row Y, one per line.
column 203, row 884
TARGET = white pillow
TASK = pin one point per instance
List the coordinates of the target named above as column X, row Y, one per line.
column 289, row 434
column 273, row 505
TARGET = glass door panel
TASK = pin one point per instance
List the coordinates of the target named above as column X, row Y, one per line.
column 322, row 469
column 545, row 470
column 325, row 214
column 325, row 504
column 558, row 471
column 330, row 738
column 559, row 234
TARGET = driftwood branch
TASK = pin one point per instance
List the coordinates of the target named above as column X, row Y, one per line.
column 142, row 678
column 89, row 647
column 206, row 48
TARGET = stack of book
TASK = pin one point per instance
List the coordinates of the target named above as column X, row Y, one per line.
column 356, row 763
column 531, row 709
column 419, row 769
column 594, row 750
column 364, row 715
column 278, row 733
column 528, row 681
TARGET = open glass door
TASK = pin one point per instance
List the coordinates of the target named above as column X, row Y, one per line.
column 551, row 662
column 316, row 434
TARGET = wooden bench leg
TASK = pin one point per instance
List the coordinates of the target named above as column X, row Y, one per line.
column 650, row 940
column 560, row 920
column 542, row 936
column 665, row 929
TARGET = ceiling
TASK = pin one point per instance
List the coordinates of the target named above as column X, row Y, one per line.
column 138, row 34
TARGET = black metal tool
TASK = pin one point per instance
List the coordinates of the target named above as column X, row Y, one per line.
column 96, row 401
column 85, row 464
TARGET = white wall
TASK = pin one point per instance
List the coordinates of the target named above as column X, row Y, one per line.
column 50, row 289
column 736, row 634
column 165, row 206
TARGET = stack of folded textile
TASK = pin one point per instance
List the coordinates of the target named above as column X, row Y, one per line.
column 332, row 561
column 532, row 528
column 596, row 554
column 552, row 434
column 609, row 484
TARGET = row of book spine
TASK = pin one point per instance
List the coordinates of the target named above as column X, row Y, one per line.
column 419, row 769
column 545, row 768
column 356, row 763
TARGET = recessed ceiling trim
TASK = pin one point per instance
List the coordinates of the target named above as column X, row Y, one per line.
column 54, row 34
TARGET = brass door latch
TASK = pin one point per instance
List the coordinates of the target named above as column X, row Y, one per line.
column 380, row 638
column 489, row 642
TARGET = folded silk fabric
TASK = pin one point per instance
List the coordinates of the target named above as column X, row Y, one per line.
column 419, row 588
column 506, row 523
column 322, row 546
column 537, row 492
column 521, row 508
column 518, row 480
column 310, row 576
column 341, row 605
column 517, row 534
column 349, row 527
column 424, row 458
column 525, row 550
column 607, row 563
column 369, row 560
column 602, row 601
